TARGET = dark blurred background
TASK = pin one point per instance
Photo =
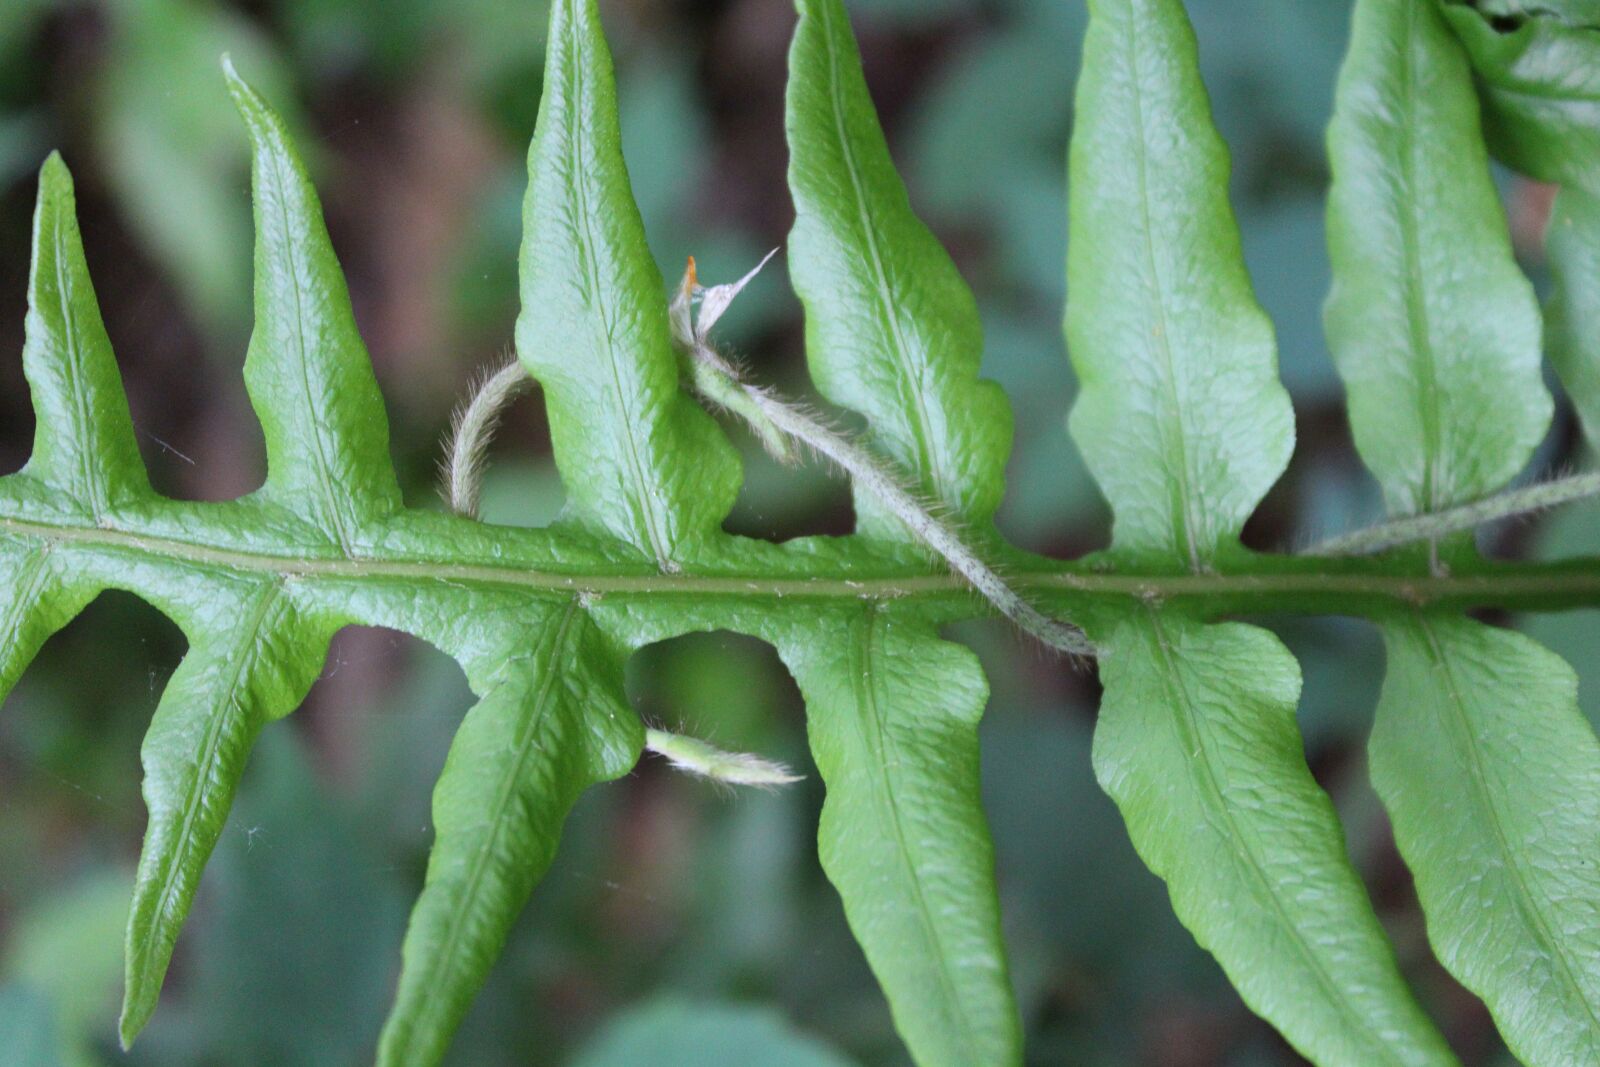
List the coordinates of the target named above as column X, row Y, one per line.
column 676, row 915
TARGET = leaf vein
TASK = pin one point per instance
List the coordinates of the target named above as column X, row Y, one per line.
column 914, row 369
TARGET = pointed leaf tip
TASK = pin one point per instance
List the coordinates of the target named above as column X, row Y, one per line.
column 238, row 676
column 253, row 107
column 326, row 461
column 892, row 330
column 55, row 178
column 133, row 1019
column 640, row 460
column 54, row 168
column 246, row 98
column 84, row 443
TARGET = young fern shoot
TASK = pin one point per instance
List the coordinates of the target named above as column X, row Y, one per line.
column 717, row 381
column 472, row 427
column 1514, row 503
column 714, row 378
column 701, row 759
column 465, row 461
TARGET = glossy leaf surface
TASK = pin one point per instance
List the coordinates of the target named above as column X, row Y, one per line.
column 551, row 721
column 1491, row 777
column 1185, row 427
column 893, row 714
column 639, row 460
column 1181, row 416
column 308, row 371
column 891, row 329
column 252, row 660
column 1479, row 753
column 1432, row 325
column 84, row 445
column 1197, row 744
column 892, row 332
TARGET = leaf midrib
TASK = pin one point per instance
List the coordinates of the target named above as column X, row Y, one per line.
column 267, row 597
column 88, row 430
column 1416, row 296
column 867, row 699
column 31, row 582
column 330, row 499
column 443, row 962
column 912, row 373
column 642, row 497
column 1189, row 522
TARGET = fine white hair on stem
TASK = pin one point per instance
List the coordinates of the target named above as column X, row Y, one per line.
column 769, row 415
column 939, row 535
column 471, row 429
column 1431, row 527
column 702, row 760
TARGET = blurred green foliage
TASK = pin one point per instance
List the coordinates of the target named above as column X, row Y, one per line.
column 672, row 909
column 672, row 1034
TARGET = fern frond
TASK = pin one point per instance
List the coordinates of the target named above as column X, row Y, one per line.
column 1480, row 754
column 1438, row 337
column 1185, row 426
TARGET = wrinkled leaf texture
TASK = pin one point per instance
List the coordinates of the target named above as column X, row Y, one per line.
column 1185, row 426
column 1490, row 776
column 260, row 585
column 1489, row 772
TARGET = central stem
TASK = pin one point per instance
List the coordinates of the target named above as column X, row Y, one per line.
column 1255, row 585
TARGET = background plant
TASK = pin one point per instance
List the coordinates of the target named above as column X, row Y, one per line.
column 1056, row 271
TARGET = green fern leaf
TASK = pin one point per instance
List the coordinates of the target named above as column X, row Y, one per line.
column 1198, row 745
column 1491, row 777
column 1433, row 328
column 252, row 659
column 1185, row 426
column 639, row 460
column 552, row 720
column 891, row 329
column 1181, row 418
column 1539, row 69
column 893, row 717
column 893, row 332
column 253, row 656
column 307, row 370
column 85, row 458
column 1438, row 338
